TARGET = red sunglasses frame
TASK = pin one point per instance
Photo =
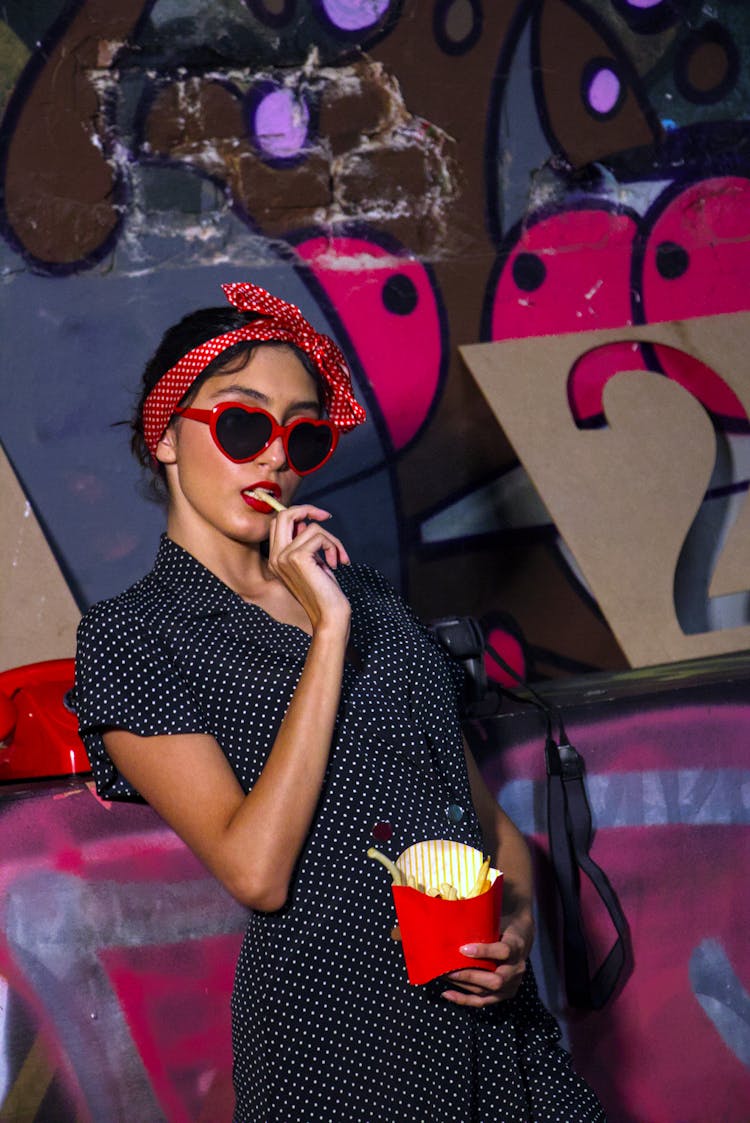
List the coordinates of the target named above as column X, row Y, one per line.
column 211, row 417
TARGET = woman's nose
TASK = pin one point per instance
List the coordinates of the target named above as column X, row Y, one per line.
column 274, row 455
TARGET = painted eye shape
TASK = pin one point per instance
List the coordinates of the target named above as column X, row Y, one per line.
column 529, row 271
column 602, row 89
column 672, row 261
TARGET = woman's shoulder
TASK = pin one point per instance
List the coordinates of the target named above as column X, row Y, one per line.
column 363, row 582
column 369, row 588
column 360, row 575
column 123, row 609
column 135, row 619
column 151, row 601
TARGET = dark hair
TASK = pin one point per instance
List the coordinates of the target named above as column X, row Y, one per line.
column 191, row 331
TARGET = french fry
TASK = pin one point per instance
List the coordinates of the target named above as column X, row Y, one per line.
column 393, row 870
column 444, row 889
column 481, row 882
column 266, row 497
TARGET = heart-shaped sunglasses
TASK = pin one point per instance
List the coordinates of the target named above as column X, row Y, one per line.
column 243, row 432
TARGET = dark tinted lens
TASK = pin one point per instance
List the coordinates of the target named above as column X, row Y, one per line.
column 242, row 435
column 308, row 446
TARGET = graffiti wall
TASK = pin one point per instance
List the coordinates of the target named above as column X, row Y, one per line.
column 117, row 950
column 117, row 959
column 416, row 177
column 666, row 776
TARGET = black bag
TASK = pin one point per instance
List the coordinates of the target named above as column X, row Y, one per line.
column 568, row 818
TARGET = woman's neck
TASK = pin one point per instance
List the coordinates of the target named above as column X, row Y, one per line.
column 240, row 565
column 243, row 568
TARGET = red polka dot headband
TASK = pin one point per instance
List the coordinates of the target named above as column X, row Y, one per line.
column 278, row 320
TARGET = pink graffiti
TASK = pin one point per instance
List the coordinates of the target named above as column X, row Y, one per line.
column 181, row 1030
column 141, row 923
column 510, row 649
column 153, row 936
column 389, row 309
column 678, row 885
column 696, row 261
column 568, row 272
column 592, row 372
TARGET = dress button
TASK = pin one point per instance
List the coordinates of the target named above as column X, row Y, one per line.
column 455, row 813
column 382, row 832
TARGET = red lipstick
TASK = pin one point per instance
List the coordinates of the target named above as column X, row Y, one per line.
column 258, row 504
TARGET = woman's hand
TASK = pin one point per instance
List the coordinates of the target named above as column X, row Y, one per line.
column 303, row 554
column 477, row 987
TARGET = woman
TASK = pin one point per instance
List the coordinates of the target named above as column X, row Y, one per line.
column 276, row 704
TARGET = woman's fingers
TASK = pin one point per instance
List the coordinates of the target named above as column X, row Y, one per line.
column 292, row 526
column 484, row 988
column 484, row 980
column 307, row 542
column 303, row 554
column 482, row 996
column 298, row 516
column 460, row 999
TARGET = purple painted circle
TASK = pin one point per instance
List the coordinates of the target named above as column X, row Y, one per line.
column 604, row 90
column 353, row 15
column 644, row 3
column 280, row 124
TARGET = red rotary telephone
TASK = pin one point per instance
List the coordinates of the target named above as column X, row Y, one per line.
column 38, row 731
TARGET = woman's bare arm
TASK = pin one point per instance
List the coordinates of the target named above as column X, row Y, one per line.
column 505, row 843
column 251, row 842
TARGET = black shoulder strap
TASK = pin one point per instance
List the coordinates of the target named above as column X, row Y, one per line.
column 570, row 837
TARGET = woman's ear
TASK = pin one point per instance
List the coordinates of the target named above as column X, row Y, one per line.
column 166, row 450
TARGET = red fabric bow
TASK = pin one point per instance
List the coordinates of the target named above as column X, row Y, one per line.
column 277, row 320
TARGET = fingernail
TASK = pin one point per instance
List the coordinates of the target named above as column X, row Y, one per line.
column 469, row 949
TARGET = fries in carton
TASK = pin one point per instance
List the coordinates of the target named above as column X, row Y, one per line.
column 446, row 895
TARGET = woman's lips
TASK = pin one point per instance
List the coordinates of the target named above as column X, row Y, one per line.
column 258, row 504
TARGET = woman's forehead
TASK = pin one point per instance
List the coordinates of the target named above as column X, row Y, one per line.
column 268, row 375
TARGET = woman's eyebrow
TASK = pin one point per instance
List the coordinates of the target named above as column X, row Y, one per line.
column 242, row 392
column 259, row 397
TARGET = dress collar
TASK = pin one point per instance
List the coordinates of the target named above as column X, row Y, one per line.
column 191, row 581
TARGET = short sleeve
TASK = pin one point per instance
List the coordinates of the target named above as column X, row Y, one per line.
column 126, row 679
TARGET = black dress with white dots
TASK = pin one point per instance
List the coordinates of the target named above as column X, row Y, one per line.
column 326, row 1026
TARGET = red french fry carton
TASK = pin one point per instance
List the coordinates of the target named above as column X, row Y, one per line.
column 433, row 928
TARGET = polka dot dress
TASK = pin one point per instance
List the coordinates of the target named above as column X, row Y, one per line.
column 325, row 1024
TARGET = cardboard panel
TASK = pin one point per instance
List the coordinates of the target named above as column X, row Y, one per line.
column 38, row 615
column 624, row 496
